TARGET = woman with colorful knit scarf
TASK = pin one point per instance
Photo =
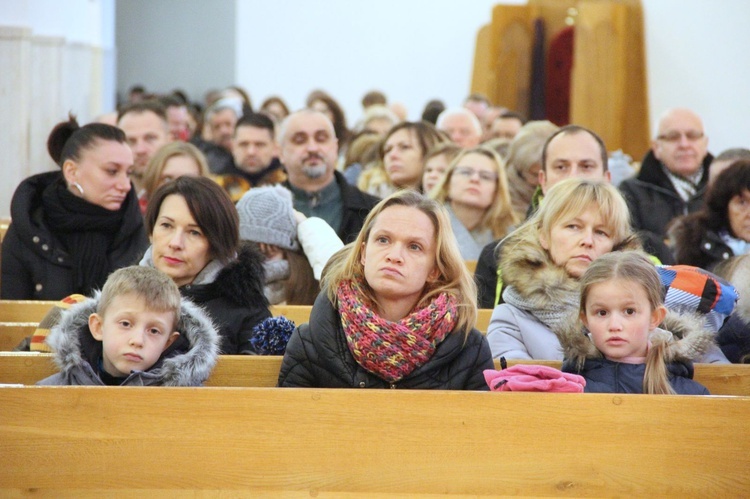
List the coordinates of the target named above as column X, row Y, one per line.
column 397, row 310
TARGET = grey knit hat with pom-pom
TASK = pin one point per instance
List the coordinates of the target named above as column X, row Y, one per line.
column 267, row 216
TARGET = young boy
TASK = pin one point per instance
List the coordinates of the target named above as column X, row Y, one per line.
column 123, row 335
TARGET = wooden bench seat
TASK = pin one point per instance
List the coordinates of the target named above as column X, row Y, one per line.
column 263, row 371
column 94, row 441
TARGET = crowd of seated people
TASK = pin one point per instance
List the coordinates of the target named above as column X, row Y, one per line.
column 372, row 227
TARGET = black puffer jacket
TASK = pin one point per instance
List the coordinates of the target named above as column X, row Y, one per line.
column 36, row 265
column 317, row 355
column 233, row 298
column 652, row 199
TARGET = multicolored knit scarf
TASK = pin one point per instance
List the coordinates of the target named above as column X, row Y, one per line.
column 392, row 350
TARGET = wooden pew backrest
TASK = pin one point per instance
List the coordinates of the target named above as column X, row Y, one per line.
column 22, row 318
column 12, row 333
column 84, row 441
column 263, row 371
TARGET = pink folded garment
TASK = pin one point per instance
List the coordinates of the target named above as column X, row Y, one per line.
column 533, row 378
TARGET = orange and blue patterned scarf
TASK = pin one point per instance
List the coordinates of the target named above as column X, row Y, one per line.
column 392, row 350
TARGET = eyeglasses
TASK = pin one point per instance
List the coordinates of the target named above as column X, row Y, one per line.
column 468, row 172
column 690, row 135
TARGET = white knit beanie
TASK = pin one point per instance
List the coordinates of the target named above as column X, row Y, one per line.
column 267, row 216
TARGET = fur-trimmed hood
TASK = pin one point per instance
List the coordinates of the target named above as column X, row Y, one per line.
column 687, row 338
column 527, row 267
column 187, row 362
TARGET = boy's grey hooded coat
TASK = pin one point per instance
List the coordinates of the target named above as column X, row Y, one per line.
column 187, row 362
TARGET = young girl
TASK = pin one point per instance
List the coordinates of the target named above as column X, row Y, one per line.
column 624, row 350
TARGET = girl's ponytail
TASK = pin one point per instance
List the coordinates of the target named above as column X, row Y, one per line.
column 655, row 379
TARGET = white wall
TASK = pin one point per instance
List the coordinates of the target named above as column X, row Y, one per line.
column 418, row 50
column 168, row 44
column 697, row 52
column 412, row 50
column 55, row 57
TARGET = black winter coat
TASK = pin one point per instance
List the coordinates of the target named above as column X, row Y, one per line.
column 652, row 199
column 36, row 265
column 234, row 300
column 317, row 355
column 734, row 339
column 606, row 376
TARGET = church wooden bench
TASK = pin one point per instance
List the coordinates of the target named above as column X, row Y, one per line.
column 34, row 311
column 263, row 371
column 94, row 441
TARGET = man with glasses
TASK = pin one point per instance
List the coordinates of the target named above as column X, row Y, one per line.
column 673, row 175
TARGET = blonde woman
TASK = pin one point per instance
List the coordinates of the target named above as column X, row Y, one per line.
column 542, row 261
column 170, row 162
column 474, row 190
column 397, row 309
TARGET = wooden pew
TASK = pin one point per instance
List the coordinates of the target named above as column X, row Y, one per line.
column 18, row 319
column 263, row 371
column 34, row 311
column 89, row 442
column 12, row 333
column 24, row 310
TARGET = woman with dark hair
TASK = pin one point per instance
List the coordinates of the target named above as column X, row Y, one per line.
column 721, row 229
column 71, row 228
column 397, row 310
column 324, row 103
column 194, row 229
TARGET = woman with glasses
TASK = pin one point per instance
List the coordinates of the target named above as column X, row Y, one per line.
column 475, row 193
column 721, row 229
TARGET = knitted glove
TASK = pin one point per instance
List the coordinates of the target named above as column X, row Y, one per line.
column 533, row 378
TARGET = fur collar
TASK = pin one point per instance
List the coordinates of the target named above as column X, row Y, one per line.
column 188, row 362
column 689, row 339
column 527, row 267
column 241, row 281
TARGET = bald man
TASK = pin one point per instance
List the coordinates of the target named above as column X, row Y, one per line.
column 309, row 150
column 673, row 175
